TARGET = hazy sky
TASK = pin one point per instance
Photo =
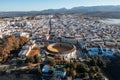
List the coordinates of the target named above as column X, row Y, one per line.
column 30, row 5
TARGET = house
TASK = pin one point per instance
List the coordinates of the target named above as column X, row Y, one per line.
column 26, row 50
column 60, row 73
column 46, row 69
column 46, row 72
column 94, row 51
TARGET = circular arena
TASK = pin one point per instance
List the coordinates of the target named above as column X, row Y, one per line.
column 65, row 50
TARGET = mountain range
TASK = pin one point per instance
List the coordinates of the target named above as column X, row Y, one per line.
column 84, row 9
column 99, row 11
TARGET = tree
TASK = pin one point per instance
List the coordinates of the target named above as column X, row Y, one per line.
column 1, row 54
column 30, row 59
column 100, row 62
column 10, row 44
column 51, row 70
column 83, row 68
column 64, row 70
column 97, row 68
column 86, row 76
column 93, row 62
column 23, row 40
column 74, row 66
column 73, row 73
column 99, row 75
column 86, row 57
column 93, row 69
column 51, row 62
column 16, row 43
column 38, row 59
column 68, row 71
column 19, row 61
column 92, row 75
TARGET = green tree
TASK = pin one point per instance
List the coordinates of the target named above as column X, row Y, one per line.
column 99, row 75
column 74, row 66
column 23, row 40
column 93, row 62
column 38, row 59
column 93, row 69
column 51, row 62
column 73, row 73
column 83, row 68
column 30, row 59
column 86, row 76
column 100, row 62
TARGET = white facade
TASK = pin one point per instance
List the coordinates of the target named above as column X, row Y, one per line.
column 69, row 55
column 65, row 55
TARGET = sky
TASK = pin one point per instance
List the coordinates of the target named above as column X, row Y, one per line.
column 37, row 5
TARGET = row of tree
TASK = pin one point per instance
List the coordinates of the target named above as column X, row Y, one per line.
column 34, row 59
column 90, row 68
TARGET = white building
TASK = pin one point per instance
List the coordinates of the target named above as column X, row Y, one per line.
column 100, row 51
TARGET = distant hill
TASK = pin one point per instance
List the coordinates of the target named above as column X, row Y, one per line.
column 99, row 11
column 96, row 8
column 104, row 14
column 82, row 9
column 61, row 10
column 17, row 13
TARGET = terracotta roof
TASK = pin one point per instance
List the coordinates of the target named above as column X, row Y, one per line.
column 33, row 52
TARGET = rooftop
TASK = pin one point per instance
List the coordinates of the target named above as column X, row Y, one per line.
column 33, row 52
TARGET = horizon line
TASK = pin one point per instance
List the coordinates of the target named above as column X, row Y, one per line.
column 56, row 8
